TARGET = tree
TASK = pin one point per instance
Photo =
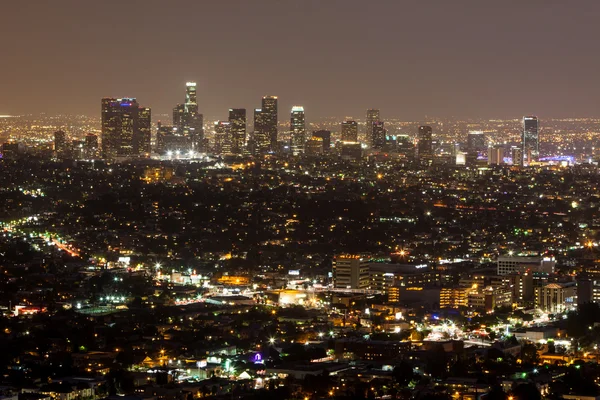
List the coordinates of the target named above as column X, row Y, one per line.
column 526, row 391
column 403, row 373
column 529, row 354
column 496, row 393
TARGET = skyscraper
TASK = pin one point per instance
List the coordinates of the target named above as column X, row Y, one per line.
column 530, row 140
column 91, row 146
column 143, row 134
column 372, row 117
column 237, row 129
column 269, row 108
column 260, row 136
column 476, row 142
column 120, row 125
column 60, row 144
column 349, row 131
column 187, row 120
column 516, row 154
column 222, row 138
column 377, row 137
column 425, row 144
column 297, row 130
column 496, row 155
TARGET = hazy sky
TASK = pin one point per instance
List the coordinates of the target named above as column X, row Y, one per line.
column 480, row 58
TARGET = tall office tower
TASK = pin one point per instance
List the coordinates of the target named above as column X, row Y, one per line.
column 530, row 140
column 120, row 125
column 372, row 117
column 142, row 136
column 61, row 149
column 91, row 146
column 377, row 137
column 297, row 130
column 496, row 155
column 269, row 108
column 222, row 138
column 350, row 272
column 326, row 137
column 260, row 136
column 476, row 143
column 349, row 131
column 425, row 144
column 237, row 129
column 187, row 120
column 517, row 156
column 77, row 149
column 178, row 115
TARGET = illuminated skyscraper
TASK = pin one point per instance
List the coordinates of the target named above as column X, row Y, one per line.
column 476, row 143
column 120, row 125
column 297, row 130
column 143, row 134
column 187, row 120
column 260, row 136
column 237, row 129
column 91, row 147
column 516, row 154
column 60, row 144
column 269, row 108
column 372, row 117
column 530, row 140
column 222, row 136
column 496, row 155
column 349, row 131
column 377, row 137
column 425, row 144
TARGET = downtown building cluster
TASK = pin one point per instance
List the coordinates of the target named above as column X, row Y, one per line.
column 126, row 133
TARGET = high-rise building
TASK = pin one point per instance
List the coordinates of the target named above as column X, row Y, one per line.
column 77, row 149
column 511, row 264
column 496, row 155
column 372, row 117
column 61, row 150
column 314, row 146
column 222, row 136
column 476, row 143
column 269, row 108
column 142, row 138
column 377, row 137
column 187, row 120
column 516, row 155
column 121, row 125
column 297, row 130
column 326, row 139
column 350, row 272
column 91, row 146
column 530, row 140
column 349, row 131
column 260, row 136
column 556, row 297
column 425, row 144
column 237, row 129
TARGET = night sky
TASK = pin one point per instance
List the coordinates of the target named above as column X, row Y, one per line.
column 446, row 58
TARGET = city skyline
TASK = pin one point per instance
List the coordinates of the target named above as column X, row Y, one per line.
column 469, row 52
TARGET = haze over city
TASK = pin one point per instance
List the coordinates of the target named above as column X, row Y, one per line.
column 463, row 59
